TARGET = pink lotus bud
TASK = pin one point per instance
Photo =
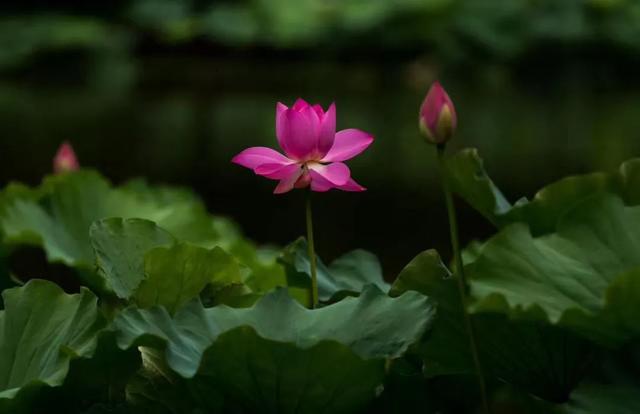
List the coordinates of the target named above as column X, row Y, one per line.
column 438, row 118
column 65, row 159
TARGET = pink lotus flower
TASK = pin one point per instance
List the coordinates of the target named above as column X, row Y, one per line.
column 65, row 159
column 314, row 151
column 438, row 119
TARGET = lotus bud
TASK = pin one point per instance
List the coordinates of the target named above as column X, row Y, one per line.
column 438, row 118
column 65, row 159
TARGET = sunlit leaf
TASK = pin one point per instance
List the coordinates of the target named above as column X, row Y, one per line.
column 174, row 275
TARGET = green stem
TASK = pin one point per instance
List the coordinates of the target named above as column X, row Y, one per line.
column 312, row 253
column 461, row 280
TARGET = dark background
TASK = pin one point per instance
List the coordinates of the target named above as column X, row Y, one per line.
column 172, row 89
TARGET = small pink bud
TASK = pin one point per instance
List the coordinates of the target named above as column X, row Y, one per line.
column 65, row 159
column 438, row 118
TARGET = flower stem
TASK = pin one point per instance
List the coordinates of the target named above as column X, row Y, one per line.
column 312, row 253
column 461, row 281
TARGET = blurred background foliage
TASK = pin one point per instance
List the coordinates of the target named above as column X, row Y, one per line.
column 455, row 30
column 172, row 89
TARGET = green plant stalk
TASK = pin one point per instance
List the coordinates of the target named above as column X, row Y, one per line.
column 311, row 251
column 461, row 280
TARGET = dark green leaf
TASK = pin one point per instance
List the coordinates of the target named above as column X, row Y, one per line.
column 582, row 276
column 447, row 348
column 279, row 356
column 52, row 353
column 157, row 389
column 540, row 358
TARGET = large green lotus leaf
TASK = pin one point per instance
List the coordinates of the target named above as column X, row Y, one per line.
column 468, row 178
column 266, row 376
column 120, row 246
column 447, row 349
column 347, row 275
column 138, row 260
column 535, row 356
column 57, row 215
column 263, row 273
column 552, row 202
column 38, row 322
column 52, row 352
column 278, row 356
column 584, row 276
column 177, row 274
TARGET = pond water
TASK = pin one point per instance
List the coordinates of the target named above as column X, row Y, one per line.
column 179, row 120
